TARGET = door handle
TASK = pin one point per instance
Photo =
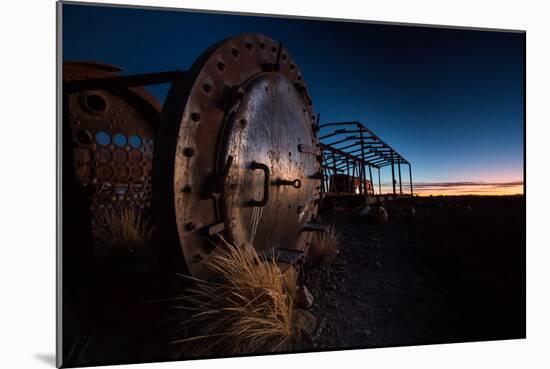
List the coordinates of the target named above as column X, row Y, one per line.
column 263, row 202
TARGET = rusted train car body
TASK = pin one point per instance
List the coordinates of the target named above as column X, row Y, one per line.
column 235, row 155
column 113, row 134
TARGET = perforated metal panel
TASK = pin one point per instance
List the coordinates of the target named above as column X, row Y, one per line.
column 113, row 133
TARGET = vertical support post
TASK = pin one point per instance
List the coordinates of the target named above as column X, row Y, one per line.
column 371, row 182
column 334, row 172
column 399, row 171
column 359, row 176
column 349, row 179
column 392, row 173
column 410, row 178
column 323, row 171
column 363, row 174
column 379, row 183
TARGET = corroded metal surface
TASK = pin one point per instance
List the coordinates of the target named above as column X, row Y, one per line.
column 268, row 125
column 112, row 133
column 228, row 159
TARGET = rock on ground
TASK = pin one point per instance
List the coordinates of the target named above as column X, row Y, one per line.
column 304, row 298
column 304, row 323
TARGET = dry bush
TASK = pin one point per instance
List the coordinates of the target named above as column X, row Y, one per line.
column 246, row 309
column 122, row 228
column 323, row 248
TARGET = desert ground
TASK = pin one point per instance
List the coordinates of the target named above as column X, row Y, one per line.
column 452, row 271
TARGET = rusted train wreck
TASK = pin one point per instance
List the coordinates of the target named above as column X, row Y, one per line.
column 236, row 140
column 352, row 157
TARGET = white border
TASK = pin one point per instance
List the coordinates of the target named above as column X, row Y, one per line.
column 27, row 151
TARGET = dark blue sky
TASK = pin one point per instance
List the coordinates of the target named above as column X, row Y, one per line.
column 450, row 101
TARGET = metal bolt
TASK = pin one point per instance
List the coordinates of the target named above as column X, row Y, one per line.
column 189, row 152
column 238, row 93
column 189, row 226
column 207, row 88
column 195, row 117
column 221, row 66
column 235, row 52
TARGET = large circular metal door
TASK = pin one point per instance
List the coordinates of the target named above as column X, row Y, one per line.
column 237, row 152
column 268, row 195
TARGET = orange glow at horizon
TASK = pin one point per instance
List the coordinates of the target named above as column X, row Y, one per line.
column 462, row 188
column 470, row 190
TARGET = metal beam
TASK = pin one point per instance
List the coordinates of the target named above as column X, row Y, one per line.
column 399, row 170
column 379, row 183
column 370, row 176
column 134, row 80
column 411, row 179
column 392, row 174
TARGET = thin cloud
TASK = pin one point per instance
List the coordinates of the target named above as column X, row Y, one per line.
column 457, row 188
column 440, row 185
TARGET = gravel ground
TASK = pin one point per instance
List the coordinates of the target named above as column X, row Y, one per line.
column 455, row 271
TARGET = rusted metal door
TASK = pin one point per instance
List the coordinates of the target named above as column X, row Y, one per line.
column 269, row 197
column 237, row 152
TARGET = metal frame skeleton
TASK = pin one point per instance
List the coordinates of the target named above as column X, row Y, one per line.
column 352, row 149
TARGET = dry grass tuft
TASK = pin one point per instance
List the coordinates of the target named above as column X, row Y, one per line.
column 290, row 281
column 323, row 248
column 122, row 228
column 247, row 309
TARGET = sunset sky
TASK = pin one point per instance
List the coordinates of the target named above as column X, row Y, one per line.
column 450, row 101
